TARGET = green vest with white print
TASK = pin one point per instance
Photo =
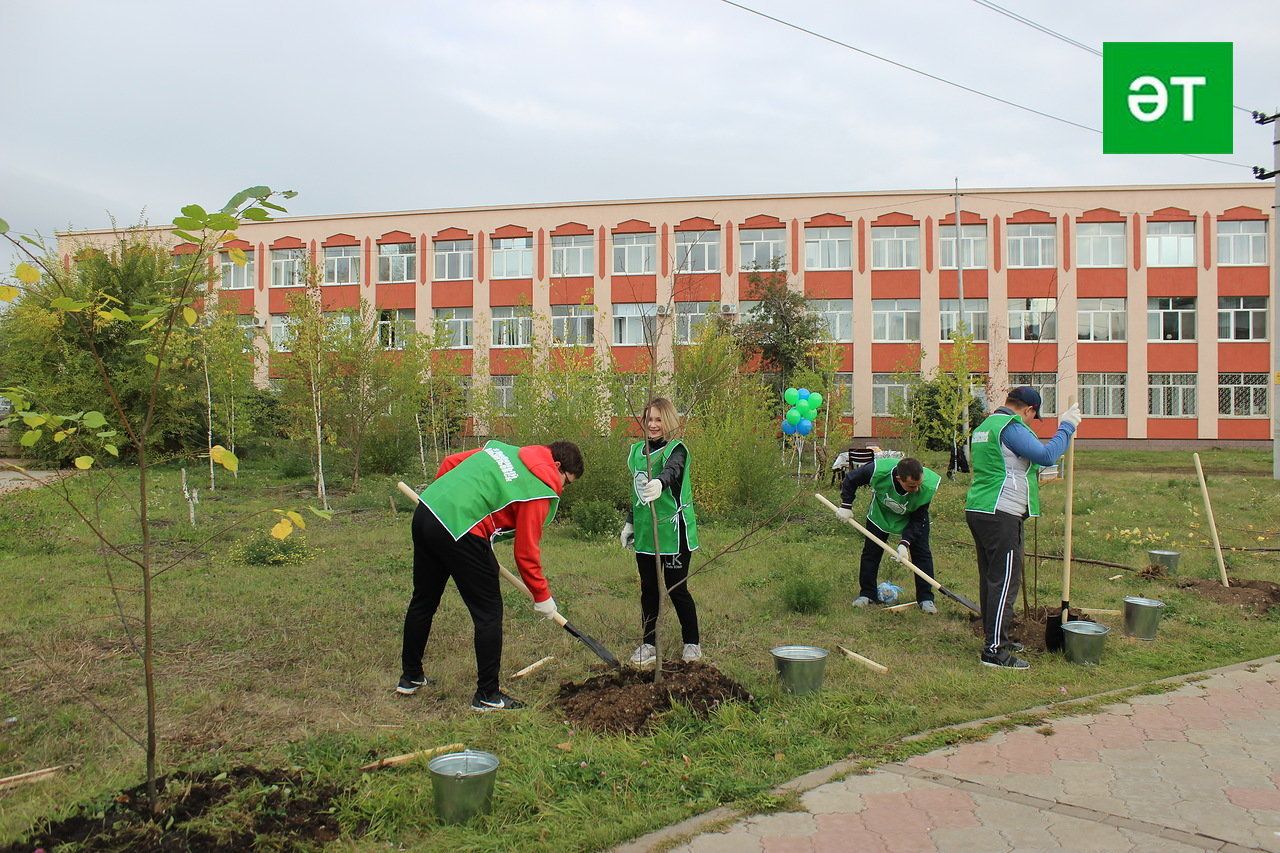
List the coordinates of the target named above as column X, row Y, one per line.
column 989, row 470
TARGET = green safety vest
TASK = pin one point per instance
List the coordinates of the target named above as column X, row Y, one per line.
column 482, row 484
column 989, row 472
column 670, row 511
column 889, row 509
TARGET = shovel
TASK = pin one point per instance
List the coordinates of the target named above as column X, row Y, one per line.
column 1053, row 637
column 590, row 642
column 959, row 599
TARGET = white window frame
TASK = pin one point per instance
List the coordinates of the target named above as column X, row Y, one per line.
column 342, row 265
column 395, row 265
column 502, row 391
column 248, row 325
column 511, row 325
column 895, row 321
column 760, row 248
column 458, row 325
column 976, row 314
column 973, row 246
column 689, row 319
column 885, row 388
column 842, row 392
column 1045, row 383
column 394, row 326
column 1242, row 395
column 453, row 260
column 1242, row 243
column 1181, row 309
column 573, row 325
column 235, row 277
column 828, row 248
column 281, row 331
column 286, row 267
column 635, row 254
column 1104, row 395
column 1171, row 244
column 895, row 247
column 697, row 251
column 1174, row 394
column 635, row 324
column 1033, row 245
column 573, row 255
column 1100, row 245
column 837, row 317
column 511, row 257
column 1251, row 309
column 1033, row 319
column 1102, row 319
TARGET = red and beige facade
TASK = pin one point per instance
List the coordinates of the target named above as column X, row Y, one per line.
column 1149, row 304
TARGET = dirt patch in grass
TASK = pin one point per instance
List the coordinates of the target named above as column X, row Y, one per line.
column 1253, row 598
column 275, row 809
column 1152, row 572
column 626, row 700
column 1029, row 629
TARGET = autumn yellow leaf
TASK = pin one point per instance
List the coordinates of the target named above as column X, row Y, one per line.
column 282, row 529
column 296, row 519
column 8, row 292
column 84, row 462
column 27, row 274
column 189, row 314
column 225, row 458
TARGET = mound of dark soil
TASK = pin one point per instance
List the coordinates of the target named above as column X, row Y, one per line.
column 288, row 813
column 1029, row 630
column 1152, row 572
column 626, row 700
column 1253, row 598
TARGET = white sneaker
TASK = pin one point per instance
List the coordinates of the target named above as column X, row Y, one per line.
column 928, row 607
column 644, row 655
column 692, row 651
column 862, row 601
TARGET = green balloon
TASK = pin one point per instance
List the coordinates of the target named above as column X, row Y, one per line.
column 803, row 407
column 793, row 416
column 791, row 395
column 815, row 401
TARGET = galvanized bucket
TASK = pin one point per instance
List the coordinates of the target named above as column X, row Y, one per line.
column 1084, row 641
column 800, row 668
column 463, row 784
column 1142, row 616
column 1167, row 559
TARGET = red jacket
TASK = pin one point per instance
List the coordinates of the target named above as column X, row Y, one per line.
column 526, row 518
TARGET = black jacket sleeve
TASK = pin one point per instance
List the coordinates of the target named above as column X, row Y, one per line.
column 855, row 479
column 917, row 529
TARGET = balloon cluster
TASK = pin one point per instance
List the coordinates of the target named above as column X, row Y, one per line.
column 804, row 408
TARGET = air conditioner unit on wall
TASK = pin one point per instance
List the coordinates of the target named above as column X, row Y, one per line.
column 728, row 308
column 663, row 310
column 259, row 323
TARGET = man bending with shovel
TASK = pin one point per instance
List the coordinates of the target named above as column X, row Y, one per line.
column 901, row 491
column 478, row 497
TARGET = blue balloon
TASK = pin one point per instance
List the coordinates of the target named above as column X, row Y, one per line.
column 805, row 426
column 788, row 428
column 804, row 394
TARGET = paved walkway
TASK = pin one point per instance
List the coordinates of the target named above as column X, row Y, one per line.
column 1197, row 768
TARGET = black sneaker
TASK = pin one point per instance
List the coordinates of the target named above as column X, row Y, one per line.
column 1015, row 647
column 499, row 701
column 409, row 684
column 1005, row 661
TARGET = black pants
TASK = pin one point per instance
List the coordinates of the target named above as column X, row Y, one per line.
column 471, row 564
column 675, row 569
column 869, row 571
column 958, row 461
column 997, row 537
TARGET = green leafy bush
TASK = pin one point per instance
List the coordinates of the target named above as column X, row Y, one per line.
column 263, row 549
column 803, row 593
column 595, row 519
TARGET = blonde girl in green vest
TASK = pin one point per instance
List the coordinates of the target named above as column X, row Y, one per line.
column 670, row 492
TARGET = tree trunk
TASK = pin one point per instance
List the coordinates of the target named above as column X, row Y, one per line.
column 422, row 448
column 208, row 408
column 148, row 650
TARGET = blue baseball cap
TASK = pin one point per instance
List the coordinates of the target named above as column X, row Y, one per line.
column 1028, row 395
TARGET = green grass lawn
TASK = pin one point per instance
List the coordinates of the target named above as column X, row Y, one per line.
column 294, row 665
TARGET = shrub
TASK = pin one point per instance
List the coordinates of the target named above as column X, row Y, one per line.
column 295, row 464
column 263, row 549
column 803, row 593
column 390, row 447
column 595, row 519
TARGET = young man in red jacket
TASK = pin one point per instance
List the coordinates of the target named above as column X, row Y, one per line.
column 478, row 497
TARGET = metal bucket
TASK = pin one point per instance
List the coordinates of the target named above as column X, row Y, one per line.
column 463, row 784
column 1142, row 616
column 800, row 668
column 1084, row 641
column 1167, row 559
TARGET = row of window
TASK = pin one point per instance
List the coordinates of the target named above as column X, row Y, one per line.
column 1098, row 244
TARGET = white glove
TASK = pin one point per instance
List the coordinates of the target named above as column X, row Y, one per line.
column 650, row 491
column 1071, row 416
column 628, row 536
column 546, row 609
column 904, row 553
column 845, row 513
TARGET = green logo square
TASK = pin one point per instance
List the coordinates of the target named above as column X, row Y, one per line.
column 1167, row 98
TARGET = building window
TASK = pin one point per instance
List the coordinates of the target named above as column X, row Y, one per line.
column 457, row 325
column 1100, row 319
column 689, row 319
column 1032, row 246
column 1045, row 383
column 512, row 257
column 504, row 393
column 1100, row 244
column 1171, row 395
column 828, row 248
column 635, row 254
column 975, row 318
column 973, row 246
column 842, row 393
column 837, row 314
column 1033, row 319
column 286, row 267
column 759, row 248
column 1171, row 244
column 282, row 332
column 573, row 256
column 1242, row 244
column 394, row 327
column 634, row 324
column 697, row 251
column 397, row 262
column 512, row 326
column 453, row 259
column 342, row 265
column 1242, row 318
column 1242, row 395
column 1102, row 395
column 888, row 391
column 573, row 325
column 895, row 320
column 1171, row 318
column 895, row 247
column 234, row 276
column 248, row 326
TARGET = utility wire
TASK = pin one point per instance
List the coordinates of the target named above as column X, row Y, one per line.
column 944, row 80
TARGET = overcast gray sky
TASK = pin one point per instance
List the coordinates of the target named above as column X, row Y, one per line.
column 121, row 107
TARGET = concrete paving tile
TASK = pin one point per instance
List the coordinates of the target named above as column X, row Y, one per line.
column 970, row 839
column 1142, row 842
column 832, row 798
column 1087, row 835
column 736, row 841
column 843, row 842
column 786, row 845
column 782, row 824
column 1254, row 798
column 878, row 782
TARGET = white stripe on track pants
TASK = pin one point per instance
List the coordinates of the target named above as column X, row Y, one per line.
column 997, row 538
